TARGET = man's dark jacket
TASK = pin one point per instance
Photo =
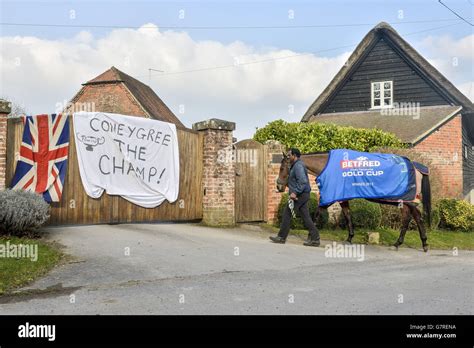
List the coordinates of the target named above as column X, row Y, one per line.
column 298, row 182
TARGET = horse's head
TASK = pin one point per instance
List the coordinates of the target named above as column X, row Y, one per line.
column 282, row 180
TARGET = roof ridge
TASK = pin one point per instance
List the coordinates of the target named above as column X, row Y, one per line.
column 144, row 95
column 370, row 38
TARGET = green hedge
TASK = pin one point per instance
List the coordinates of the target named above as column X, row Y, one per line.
column 298, row 222
column 364, row 214
column 312, row 137
column 392, row 217
column 456, row 214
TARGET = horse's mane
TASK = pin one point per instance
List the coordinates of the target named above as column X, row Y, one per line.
column 316, row 153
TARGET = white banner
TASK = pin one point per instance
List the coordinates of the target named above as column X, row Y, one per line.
column 134, row 157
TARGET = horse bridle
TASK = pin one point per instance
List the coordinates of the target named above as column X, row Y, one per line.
column 278, row 181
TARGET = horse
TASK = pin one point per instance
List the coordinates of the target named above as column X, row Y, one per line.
column 316, row 162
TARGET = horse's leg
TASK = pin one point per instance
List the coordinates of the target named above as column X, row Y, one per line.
column 317, row 212
column 347, row 215
column 316, row 215
column 406, row 218
column 421, row 226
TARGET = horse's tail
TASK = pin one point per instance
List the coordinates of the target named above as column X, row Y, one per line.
column 426, row 197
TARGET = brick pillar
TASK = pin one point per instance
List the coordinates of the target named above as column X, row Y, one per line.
column 273, row 160
column 5, row 109
column 218, row 172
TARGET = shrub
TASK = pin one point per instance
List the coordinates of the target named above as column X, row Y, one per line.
column 435, row 218
column 22, row 212
column 364, row 214
column 312, row 137
column 298, row 222
column 392, row 218
column 456, row 214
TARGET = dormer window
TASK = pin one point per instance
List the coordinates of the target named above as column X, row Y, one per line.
column 382, row 94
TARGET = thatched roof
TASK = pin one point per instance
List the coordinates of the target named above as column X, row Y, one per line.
column 439, row 82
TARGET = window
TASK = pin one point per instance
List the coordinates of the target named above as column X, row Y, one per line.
column 382, row 94
column 465, row 151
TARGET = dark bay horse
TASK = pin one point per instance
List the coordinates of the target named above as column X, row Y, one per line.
column 315, row 163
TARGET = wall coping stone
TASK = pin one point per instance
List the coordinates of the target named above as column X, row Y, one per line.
column 214, row 123
column 5, row 107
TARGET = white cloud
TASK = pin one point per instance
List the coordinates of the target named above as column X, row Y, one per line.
column 453, row 58
column 40, row 73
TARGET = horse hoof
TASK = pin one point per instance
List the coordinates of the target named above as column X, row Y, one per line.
column 396, row 245
column 348, row 241
column 425, row 248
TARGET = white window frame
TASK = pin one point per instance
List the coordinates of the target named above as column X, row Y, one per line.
column 466, row 151
column 382, row 97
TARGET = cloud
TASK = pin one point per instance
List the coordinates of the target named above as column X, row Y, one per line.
column 40, row 73
column 453, row 58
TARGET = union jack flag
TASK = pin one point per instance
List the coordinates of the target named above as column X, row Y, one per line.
column 42, row 164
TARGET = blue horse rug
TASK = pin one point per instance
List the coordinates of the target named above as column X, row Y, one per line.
column 352, row 174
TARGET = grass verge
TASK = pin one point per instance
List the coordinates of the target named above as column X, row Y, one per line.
column 437, row 239
column 19, row 271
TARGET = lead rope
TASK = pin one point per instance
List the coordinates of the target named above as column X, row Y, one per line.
column 291, row 205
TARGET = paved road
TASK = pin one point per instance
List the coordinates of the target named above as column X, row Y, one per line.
column 190, row 269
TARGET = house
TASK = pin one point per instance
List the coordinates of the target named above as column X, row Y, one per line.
column 116, row 92
column 387, row 84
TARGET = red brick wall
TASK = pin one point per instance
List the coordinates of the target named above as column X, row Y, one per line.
column 273, row 196
column 3, row 149
column 4, row 111
column 444, row 149
column 108, row 97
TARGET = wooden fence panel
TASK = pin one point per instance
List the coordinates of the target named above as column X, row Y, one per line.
column 76, row 207
column 250, row 181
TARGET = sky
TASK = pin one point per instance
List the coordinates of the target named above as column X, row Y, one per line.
column 249, row 62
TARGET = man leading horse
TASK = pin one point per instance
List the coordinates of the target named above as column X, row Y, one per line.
column 299, row 189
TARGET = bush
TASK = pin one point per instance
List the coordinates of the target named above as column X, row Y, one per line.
column 435, row 218
column 456, row 214
column 364, row 214
column 298, row 222
column 392, row 218
column 22, row 212
column 312, row 137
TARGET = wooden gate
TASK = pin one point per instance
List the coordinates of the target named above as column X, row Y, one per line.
column 76, row 207
column 250, row 181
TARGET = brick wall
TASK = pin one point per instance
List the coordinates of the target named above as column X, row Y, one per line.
column 107, row 97
column 444, row 149
column 273, row 196
column 218, row 176
column 5, row 109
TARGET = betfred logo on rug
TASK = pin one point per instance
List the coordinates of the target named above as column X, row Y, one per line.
column 359, row 162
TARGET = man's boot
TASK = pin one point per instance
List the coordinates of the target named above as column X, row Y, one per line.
column 277, row 239
column 314, row 243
